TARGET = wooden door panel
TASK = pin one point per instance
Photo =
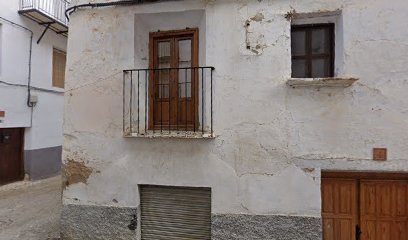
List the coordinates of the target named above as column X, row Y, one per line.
column 339, row 208
column 328, row 197
column 383, row 209
column 161, row 113
column 328, row 229
column 369, row 198
column 384, row 198
column 369, row 230
column 401, row 200
column 384, row 230
column 344, row 229
column 401, row 230
column 346, row 197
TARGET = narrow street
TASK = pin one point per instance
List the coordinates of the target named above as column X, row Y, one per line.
column 30, row 210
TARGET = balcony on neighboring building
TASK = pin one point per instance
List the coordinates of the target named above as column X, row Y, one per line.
column 50, row 13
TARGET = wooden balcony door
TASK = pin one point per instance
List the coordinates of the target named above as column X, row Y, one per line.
column 365, row 208
column 174, row 80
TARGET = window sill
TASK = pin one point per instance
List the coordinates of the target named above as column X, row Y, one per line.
column 171, row 134
column 321, row 82
column 58, row 89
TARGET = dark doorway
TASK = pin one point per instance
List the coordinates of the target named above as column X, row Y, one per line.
column 11, row 155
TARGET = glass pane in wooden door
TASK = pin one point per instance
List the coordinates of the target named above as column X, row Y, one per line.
column 186, row 79
column 184, row 61
column 164, row 61
column 162, row 84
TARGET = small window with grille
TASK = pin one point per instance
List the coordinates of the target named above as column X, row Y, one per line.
column 312, row 51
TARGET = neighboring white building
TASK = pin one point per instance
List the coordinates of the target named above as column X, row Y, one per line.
column 32, row 68
column 296, row 124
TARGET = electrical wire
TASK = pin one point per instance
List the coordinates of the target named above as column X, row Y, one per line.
column 32, row 87
column 72, row 9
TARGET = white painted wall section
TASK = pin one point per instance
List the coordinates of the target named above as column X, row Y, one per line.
column 273, row 140
column 43, row 123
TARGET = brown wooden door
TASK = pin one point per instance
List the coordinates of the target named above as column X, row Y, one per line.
column 174, row 91
column 384, row 210
column 339, row 208
column 11, row 157
column 378, row 207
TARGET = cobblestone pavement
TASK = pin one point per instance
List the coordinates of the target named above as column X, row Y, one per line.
column 30, row 210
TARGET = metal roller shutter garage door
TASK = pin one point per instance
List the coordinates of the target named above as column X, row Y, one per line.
column 175, row 213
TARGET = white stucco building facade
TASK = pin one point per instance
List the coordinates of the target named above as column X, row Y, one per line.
column 274, row 136
column 41, row 123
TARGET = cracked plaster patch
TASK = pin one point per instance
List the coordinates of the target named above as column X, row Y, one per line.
column 76, row 172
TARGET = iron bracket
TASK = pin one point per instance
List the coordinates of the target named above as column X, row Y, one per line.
column 43, row 33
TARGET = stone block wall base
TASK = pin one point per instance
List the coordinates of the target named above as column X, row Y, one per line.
column 81, row 222
column 260, row 227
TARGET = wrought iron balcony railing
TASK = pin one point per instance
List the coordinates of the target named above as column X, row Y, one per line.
column 168, row 102
column 50, row 13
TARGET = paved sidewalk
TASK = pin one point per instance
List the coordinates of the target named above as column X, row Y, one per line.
column 30, row 210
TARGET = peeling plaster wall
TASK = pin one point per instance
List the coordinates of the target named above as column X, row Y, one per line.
column 272, row 140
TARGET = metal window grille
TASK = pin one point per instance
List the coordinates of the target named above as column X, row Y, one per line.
column 141, row 119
